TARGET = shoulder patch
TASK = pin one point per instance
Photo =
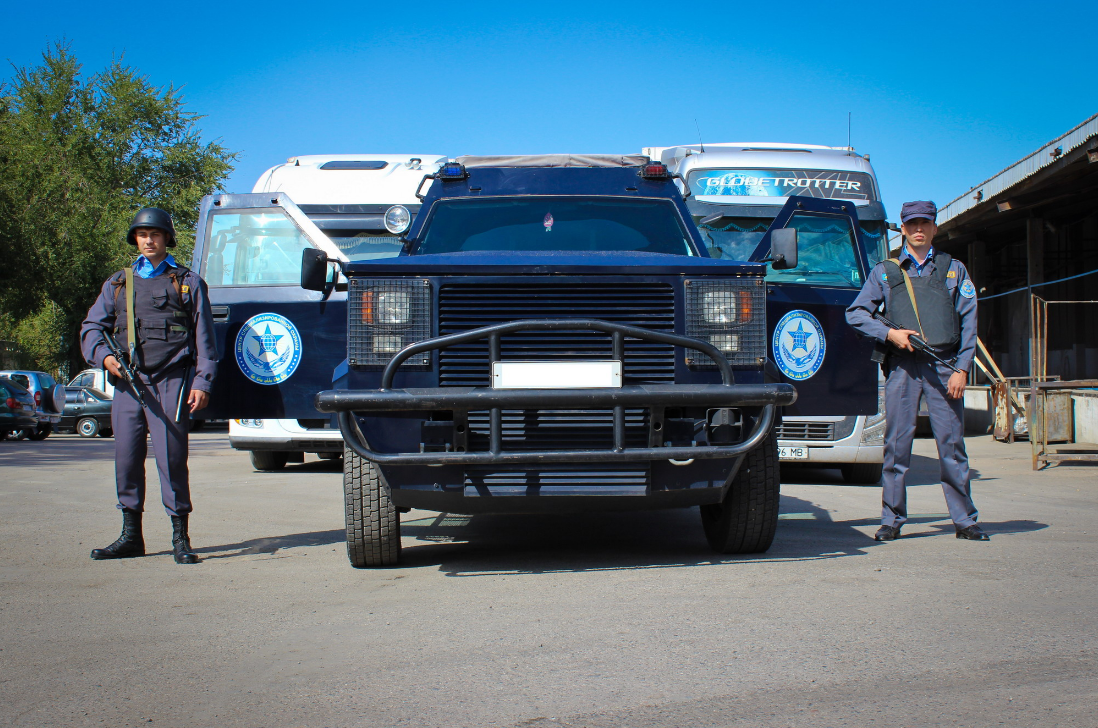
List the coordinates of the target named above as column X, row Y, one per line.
column 967, row 289
column 951, row 274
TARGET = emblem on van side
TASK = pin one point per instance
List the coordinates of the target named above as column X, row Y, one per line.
column 268, row 348
column 799, row 345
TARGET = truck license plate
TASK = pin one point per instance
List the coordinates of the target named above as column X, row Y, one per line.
column 555, row 374
column 792, row 453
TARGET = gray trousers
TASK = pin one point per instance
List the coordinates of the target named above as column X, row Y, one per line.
column 909, row 377
column 133, row 424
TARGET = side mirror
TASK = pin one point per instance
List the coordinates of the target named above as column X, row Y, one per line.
column 783, row 249
column 314, row 270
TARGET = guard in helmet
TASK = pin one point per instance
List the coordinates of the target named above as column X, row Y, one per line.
column 926, row 293
column 156, row 316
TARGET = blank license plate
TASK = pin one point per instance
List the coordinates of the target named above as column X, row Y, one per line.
column 792, row 453
column 555, row 374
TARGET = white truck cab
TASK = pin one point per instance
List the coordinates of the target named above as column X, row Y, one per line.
column 734, row 191
column 346, row 196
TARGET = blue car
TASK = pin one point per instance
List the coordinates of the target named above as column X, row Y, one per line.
column 554, row 336
column 16, row 409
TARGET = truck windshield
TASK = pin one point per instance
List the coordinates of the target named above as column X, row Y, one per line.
column 827, row 248
column 543, row 223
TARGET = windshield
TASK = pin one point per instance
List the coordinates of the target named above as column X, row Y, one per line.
column 366, row 244
column 875, row 235
column 543, row 223
column 827, row 249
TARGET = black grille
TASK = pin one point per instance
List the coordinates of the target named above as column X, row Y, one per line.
column 469, row 306
column 526, row 430
column 806, row 431
column 557, row 479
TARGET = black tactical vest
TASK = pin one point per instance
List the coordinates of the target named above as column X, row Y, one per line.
column 941, row 324
column 162, row 321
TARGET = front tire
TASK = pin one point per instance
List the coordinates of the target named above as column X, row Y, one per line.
column 373, row 524
column 745, row 522
column 269, row 460
column 862, row 473
column 87, row 427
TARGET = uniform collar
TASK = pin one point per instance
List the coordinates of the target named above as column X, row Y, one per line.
column 144, row 269
column 918, row 266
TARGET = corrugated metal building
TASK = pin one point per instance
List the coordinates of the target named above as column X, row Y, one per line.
column 1033, row 228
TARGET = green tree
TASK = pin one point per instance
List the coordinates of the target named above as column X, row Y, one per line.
column 79, row 157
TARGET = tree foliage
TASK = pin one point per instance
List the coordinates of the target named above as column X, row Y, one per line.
column 80, row 156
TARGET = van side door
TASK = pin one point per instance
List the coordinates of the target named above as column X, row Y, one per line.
column 277, row 343
column 809, row 340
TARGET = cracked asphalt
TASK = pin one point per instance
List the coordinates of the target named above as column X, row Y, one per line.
column 621, row 619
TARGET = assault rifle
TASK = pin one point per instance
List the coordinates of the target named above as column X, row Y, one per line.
column 124, row 365
column 916, row 342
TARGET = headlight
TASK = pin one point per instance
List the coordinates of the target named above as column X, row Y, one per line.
column 397, row 219
column 391, row 307
column 731, row 315
column 874, row 430
column 250, row 423
column 384, row 316
column 719, row 307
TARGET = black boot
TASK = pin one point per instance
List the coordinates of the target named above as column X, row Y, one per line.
column 131, row 543
column 181, row 542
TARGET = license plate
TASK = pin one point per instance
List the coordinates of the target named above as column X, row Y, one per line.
column 792, row 453
column 555, row 374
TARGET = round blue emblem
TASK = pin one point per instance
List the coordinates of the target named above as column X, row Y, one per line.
column 799, row 345
column 967, row 289
column 268, row 348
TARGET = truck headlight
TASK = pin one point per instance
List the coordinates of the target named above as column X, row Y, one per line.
column 730, row 314
column 391, row 307
column 719, row 307
column 873, row 431
column 397, row 219
column 384, row 316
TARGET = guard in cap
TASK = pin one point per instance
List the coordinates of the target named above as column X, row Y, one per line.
column 152, row 329
column 926, row 293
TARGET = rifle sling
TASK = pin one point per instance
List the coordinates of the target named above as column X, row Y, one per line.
column 911, row 294
column 131, row 325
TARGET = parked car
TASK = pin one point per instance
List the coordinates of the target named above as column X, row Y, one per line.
column 49, row 399
column 87, row 411
column 16, row 409
column 94, row 378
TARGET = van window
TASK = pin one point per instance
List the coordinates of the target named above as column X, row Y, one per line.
column 827, row 253
column 22, row 380
column 253, row 248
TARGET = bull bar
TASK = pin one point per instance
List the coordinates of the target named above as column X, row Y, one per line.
column 465, row 399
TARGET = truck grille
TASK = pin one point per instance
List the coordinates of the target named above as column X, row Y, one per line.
column 469, row 306
column 558, row 479
column 806, row 431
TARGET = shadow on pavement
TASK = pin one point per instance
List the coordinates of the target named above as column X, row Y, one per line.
column 272, row 544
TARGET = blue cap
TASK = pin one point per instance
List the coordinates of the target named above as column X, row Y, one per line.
column 911, row 210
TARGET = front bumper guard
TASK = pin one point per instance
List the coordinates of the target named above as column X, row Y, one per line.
column 462, row 400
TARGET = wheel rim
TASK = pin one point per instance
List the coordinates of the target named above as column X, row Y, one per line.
column 86, row 427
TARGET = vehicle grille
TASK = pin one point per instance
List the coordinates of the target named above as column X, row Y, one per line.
column 469, row 306
column 526, row 430
column 806, row 431
column 557, row 479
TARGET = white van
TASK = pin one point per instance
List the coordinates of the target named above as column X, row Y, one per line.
column 734, row 192
column 346, row 196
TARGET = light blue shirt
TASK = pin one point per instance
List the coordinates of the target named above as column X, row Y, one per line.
column 918, row 266
column 144, row 269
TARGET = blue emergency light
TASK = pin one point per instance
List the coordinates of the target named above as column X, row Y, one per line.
column 452, row 170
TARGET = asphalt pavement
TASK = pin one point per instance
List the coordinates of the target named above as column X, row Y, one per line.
column 589, row 620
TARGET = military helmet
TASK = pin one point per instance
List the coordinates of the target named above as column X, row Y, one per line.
column 152, row 217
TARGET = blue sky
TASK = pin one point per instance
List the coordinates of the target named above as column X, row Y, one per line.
column 942, row 95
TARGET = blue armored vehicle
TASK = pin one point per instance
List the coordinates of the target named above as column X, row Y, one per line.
column 554, row 336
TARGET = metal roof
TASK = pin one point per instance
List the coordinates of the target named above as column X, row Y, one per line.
column 1015, row 173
